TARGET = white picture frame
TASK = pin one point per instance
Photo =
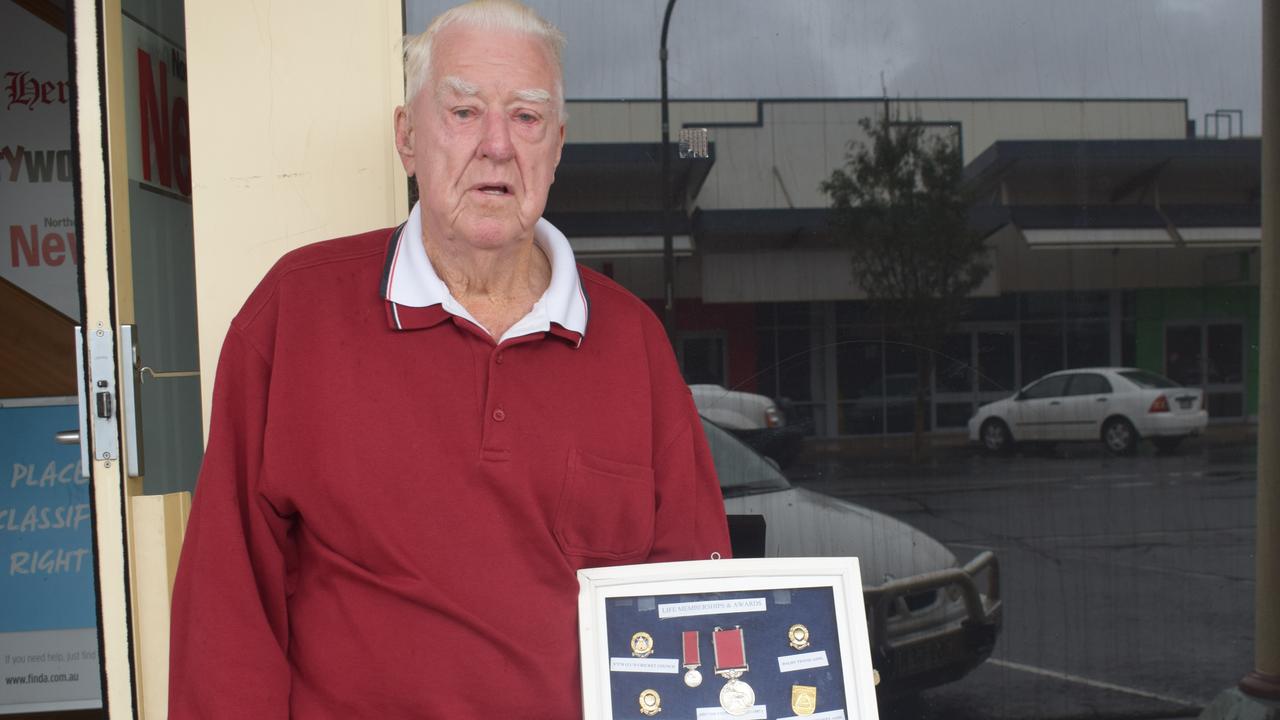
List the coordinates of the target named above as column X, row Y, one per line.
column 766, row 597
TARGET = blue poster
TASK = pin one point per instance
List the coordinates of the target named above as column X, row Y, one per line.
column 46, row 531
column 48, row 610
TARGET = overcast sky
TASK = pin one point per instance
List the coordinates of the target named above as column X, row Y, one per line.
column 1207, row 51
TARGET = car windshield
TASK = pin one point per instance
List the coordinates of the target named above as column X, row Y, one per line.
column 1148, row 380
column 742, row 471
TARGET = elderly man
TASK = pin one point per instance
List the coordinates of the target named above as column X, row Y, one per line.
column 420, row 434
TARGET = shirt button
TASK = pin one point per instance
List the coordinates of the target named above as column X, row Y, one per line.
column 499, row 358
column 499, row 415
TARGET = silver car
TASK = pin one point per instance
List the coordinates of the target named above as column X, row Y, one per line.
column 931, row 619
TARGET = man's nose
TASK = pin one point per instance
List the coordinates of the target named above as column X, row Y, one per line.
column 496, row 143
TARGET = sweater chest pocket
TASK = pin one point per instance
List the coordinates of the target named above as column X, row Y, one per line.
column 606, row 509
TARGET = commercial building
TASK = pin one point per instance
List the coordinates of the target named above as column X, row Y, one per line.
column 1117, row 237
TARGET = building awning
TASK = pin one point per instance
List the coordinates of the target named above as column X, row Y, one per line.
column 1122, row 193
column 1118, row 171
column 596, row 177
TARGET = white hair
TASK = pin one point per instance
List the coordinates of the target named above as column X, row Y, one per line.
column 509, row 15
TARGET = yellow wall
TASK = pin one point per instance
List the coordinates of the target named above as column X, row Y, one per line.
column 291, row 139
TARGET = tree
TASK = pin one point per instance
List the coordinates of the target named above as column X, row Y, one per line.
column 900, row 206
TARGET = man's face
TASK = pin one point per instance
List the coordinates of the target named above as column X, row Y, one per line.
column 483, row 137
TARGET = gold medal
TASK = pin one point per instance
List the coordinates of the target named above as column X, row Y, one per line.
column 642, row 644
column 650, row 703
column 798, row 635
column 804, row 699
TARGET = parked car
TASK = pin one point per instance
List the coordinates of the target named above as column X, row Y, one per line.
column 753, row 418
column 930, row 619
column 1118, row 406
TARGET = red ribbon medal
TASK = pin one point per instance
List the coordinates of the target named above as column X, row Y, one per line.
column 692, row 658
column 737, row 697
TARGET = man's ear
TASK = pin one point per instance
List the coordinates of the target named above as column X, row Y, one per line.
column 404, row 138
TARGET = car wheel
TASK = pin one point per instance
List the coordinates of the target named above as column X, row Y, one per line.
column 1119, row 436
column 1166, row 445
column 996, row 437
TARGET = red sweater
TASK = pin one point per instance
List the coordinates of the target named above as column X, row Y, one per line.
column 389, row 521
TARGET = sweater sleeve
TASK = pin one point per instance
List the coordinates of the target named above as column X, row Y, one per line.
column 230, row 630
column 690, row 523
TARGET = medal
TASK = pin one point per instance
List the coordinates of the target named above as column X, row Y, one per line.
column 642, row 644
column 650, row 703
column 692, row 658
column 736, row 697
column 798, row 635
column 804, row 699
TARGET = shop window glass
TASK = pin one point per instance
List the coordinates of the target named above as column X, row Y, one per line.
column 954, row 367
column 1041, row 306
column 794, row 314
column 1182, row 360
column 766, row 363
column 1041, row 347
column 1088, row 304
column 954, row 414
column 858, row 363
column 1088, row 344
column 1226, row 405
column 989, row 309
column 863, row 417
column 1226, row 354
column 996, row 362
column 799, row 365
column 1129, row 342
column 856, row 312
column 702, row 358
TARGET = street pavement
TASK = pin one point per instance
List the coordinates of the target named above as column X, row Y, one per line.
column 1128, row 582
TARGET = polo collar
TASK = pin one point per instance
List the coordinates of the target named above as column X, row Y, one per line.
column 417, row 298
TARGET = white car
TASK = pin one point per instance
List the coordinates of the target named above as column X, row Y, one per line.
column 1118, row 406
column 752, row 418
column 931, row 620
column 736, row 410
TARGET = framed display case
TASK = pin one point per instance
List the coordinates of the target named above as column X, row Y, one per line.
column 751, row 639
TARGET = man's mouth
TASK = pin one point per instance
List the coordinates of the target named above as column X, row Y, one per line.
column 497, row 189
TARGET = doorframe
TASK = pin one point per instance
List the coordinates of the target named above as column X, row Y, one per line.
column 101, row 199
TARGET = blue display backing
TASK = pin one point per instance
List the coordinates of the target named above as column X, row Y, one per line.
column 764, row 637
column 46, row 535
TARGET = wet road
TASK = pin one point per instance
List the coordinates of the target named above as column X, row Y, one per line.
column 1127, row 582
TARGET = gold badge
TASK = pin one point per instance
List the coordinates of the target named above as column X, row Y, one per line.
column 799, row 636
column 651, row 703
column 804, row 699
column 642, row 644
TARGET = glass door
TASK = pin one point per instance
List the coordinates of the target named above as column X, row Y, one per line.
column 1209, row 356
column 140, row 400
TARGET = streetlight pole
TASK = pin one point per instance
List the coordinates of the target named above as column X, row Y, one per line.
column 668, row 250
column 1258, row 693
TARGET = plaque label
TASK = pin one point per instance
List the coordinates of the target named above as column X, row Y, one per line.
column 644, row 665
column 804, row 661
column 711, row 607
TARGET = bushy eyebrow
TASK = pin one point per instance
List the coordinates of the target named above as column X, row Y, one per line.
column 469, row 89
column 458, row 85
column 534, row 95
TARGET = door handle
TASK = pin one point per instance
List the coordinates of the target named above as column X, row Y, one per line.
column 162, row 374
column 67, row 437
